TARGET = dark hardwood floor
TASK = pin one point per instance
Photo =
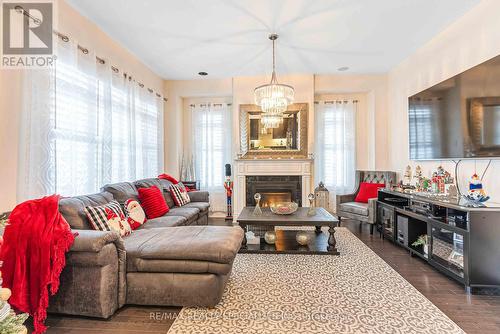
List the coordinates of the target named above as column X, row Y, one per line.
column 474, row 313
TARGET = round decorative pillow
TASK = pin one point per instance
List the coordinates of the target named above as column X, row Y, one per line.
column 135, row 213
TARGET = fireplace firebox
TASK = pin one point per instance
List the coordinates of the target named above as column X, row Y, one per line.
column 274, row 188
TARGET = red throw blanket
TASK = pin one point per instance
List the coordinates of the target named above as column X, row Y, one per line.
column 33, row 254
column 169, row 178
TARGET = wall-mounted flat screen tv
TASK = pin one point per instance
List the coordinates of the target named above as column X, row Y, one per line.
column 458, row 118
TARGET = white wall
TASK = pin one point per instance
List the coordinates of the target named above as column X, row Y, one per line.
column 177, row 91
column 371, row 125
column 469, row 41
column 10, row 106
column 77, row 27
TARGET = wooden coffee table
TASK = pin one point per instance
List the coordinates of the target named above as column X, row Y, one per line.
column 299, row 218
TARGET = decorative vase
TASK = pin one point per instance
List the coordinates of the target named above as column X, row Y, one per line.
column 426, row 249
column 312, row 210
column 270, row 237
column 257, row 211
column 303, row 238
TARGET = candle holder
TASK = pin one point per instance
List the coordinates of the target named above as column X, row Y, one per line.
column 312, row 209
column 257, row 211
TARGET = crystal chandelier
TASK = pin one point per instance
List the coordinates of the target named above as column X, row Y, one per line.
column 273, row 98
column 271, row 121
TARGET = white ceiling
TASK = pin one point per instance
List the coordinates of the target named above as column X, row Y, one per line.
column 179, row 38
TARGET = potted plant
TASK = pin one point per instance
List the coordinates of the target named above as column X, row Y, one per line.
column 423, row 241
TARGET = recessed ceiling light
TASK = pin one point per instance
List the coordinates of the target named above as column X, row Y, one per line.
column 202, row 73
column 342, row 69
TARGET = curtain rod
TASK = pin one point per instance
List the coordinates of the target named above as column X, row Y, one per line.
column 336, row 101
column 101, row 61
column 84, row 50
column 211, row 104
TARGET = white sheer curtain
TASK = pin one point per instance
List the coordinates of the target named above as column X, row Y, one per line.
column 60, row 145
column 37, row 148
column 148, row 133
column 122, row 129
column 135, row 130
column 84, row 125
column 335, row 158
column 78, row 123
column 211, row 126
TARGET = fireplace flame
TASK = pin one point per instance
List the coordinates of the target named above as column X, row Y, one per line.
column 270, row 198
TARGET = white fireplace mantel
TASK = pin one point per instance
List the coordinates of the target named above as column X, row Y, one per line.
column 244, row 167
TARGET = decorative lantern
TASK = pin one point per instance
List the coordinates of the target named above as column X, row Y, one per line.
column 322, row 197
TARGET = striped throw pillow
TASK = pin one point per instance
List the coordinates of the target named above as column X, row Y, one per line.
column 179, row 194
column 108, row 217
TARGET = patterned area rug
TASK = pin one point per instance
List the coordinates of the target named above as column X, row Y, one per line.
column 356, row 292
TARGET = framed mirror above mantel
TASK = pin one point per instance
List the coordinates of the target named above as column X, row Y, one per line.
column 288, row 140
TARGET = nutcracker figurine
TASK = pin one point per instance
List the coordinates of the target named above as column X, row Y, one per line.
column 228, row 185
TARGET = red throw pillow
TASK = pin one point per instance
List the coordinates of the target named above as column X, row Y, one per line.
column 153, row 202
column 368, row 190
column 168, row 178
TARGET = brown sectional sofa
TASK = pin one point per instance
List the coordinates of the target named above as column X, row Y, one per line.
column 174, row 260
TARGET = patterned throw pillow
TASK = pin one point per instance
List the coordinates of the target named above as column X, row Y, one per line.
column 135, row 214
column 108, row 217
column 179, row 194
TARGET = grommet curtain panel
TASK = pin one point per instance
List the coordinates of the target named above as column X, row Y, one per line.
column 211, row 126
column 335, row 157
column 84, row 125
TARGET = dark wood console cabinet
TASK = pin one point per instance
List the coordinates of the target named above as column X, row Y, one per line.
column 463, row 240
column 385, row 220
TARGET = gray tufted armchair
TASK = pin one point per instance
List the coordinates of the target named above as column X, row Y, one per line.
column 364, row 212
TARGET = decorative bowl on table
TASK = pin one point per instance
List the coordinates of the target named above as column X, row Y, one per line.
column 284, row 208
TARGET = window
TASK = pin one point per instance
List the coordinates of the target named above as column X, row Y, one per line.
column 336, row 144
column 77, row 133
column 121, row 132
column 212, row 143
column 149, row 138
column 211, row 130
column 84, row 125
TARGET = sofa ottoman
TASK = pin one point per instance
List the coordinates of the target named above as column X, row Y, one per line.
column 180, row 266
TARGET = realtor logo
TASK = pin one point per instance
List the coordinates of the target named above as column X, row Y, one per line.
column 27, row 34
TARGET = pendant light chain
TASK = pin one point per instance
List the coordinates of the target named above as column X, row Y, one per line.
column 273, row 76
column 273, row 98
